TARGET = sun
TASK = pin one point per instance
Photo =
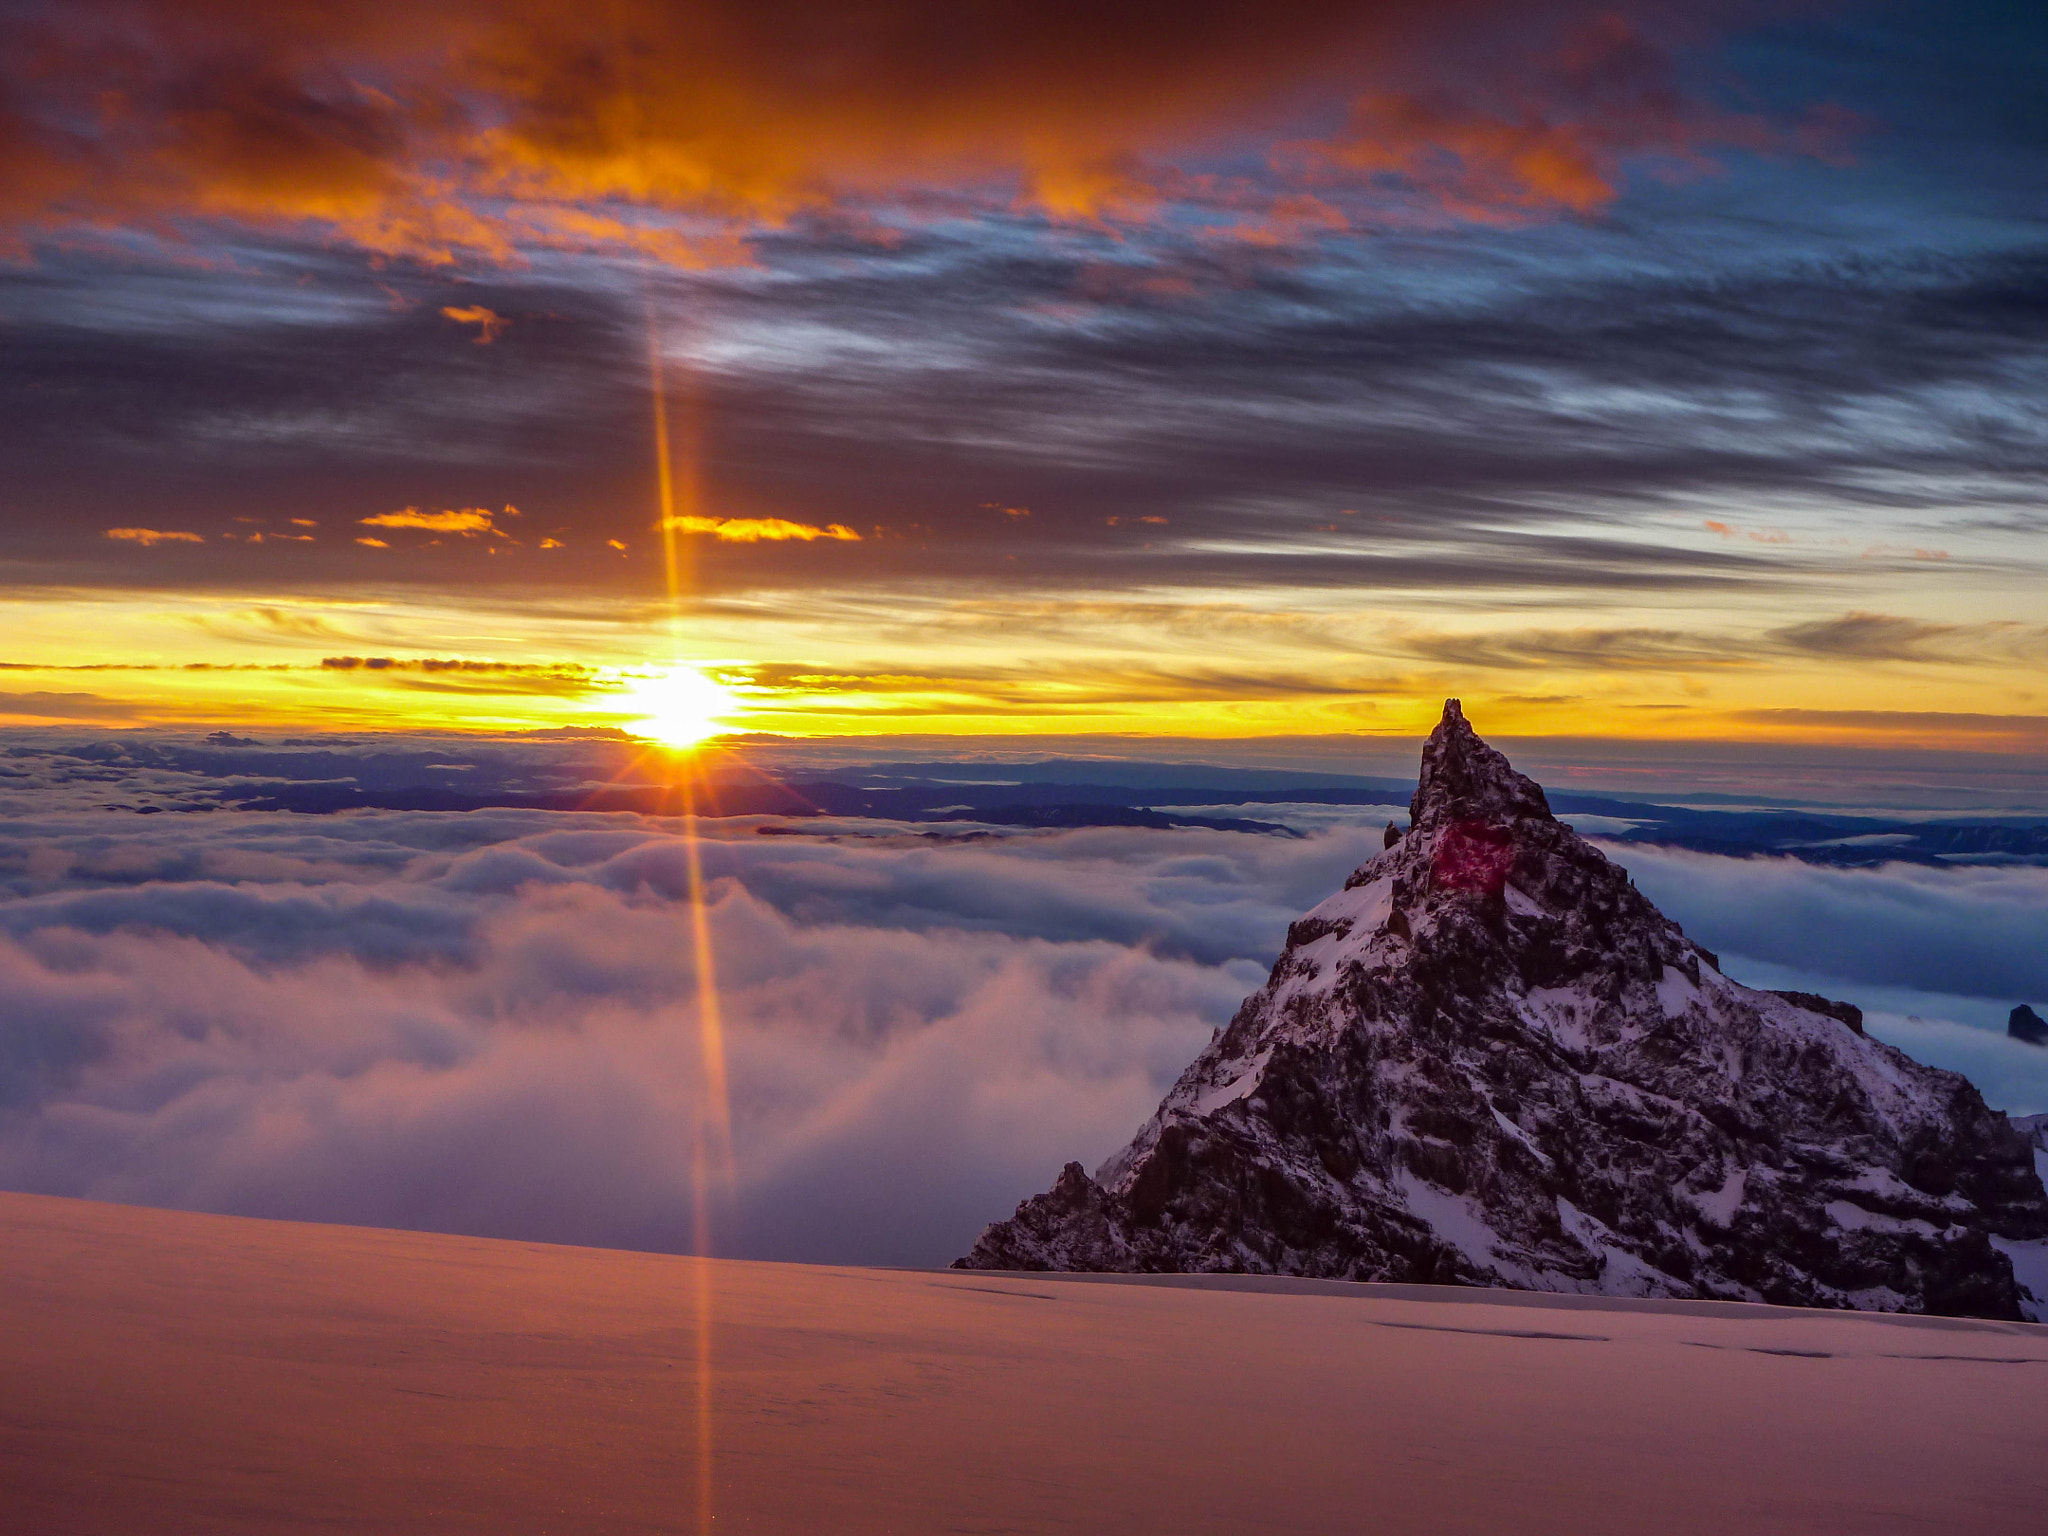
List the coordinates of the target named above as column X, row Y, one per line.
column 680, row 706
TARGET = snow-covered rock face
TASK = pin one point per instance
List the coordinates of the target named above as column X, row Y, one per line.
column 1489, row 1060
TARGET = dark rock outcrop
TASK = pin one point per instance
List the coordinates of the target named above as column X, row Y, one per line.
column 2025, row 1024
column 1813, row 1002
column 1489, row 1060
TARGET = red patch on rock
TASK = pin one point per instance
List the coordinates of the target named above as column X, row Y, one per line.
column 1472, row 856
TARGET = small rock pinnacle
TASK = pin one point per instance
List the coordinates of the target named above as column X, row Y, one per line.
column 1463, row 779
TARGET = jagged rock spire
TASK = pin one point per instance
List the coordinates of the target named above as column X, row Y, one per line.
column 1490, row 1060
column 1463, row 779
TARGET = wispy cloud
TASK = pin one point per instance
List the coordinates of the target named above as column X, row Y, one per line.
column 469, row 522
column 149, row 536
column 488, row 322
column 756, row 530
column 444, row 664
column 270, row 624
column 64, row 706
column 1028, row 688
column 441, row 674
column 1596, row 650
column 1558, row 138
column 1888, row 637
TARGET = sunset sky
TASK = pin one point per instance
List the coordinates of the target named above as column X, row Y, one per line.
column 1639, row 370
column 1153, row 398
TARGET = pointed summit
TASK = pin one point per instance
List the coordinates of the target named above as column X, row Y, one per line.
column 1489, row 1060
column 1463, row 779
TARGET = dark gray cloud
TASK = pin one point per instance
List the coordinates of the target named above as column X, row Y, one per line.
column 1521, row 412
column 1603, row 649
column 1888, row 637
column 1481, row 433
column 1869, row 637
column 1852, row 637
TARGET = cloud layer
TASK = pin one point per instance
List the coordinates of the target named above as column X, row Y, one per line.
column 490, row 127
column 489, row 1022
column 1969, row 932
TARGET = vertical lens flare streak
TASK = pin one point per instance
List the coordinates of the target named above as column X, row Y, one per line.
column 665, row 480
column 711, row 1159
column 711, row 1149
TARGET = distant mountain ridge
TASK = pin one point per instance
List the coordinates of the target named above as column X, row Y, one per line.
column 1489, row 1060
column 595, row 772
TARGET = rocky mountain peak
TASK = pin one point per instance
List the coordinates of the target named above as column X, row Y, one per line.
column 1465, row 780
column 1490, row 1060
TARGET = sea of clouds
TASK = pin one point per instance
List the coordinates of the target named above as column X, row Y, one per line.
column 489, row 1022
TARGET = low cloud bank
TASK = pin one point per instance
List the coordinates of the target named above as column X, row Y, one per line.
column 1936, row 958
column 1977, row 932
column 1963, row 1034
column 488, row 1022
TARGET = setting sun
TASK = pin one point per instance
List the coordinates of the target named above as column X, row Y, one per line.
column 680, row 707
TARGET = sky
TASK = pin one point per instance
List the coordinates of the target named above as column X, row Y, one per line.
column 1639, row 372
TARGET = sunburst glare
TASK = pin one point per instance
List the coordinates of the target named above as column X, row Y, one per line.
column 680, row 706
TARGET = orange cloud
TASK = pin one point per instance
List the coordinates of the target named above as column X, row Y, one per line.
column 371, row 543
column 487, row 321
column 754, row 530
column 149, row 536
column 467, row 521
column 484, row 127
column 1754, row 535
column 1555, row 141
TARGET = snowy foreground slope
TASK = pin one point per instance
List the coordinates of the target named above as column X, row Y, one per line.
column 219, row 1376
column 1489, row 1060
